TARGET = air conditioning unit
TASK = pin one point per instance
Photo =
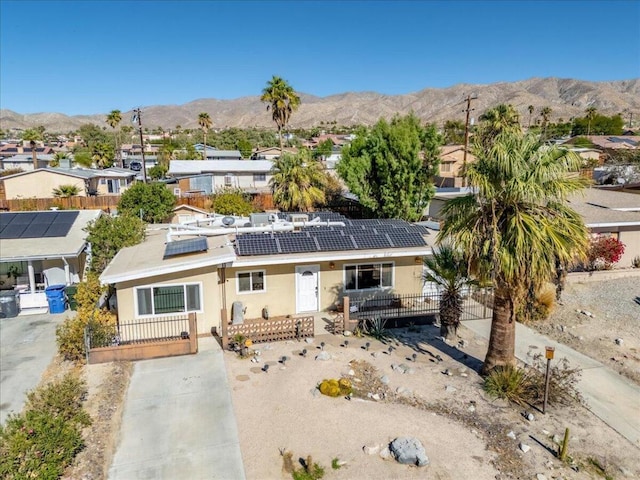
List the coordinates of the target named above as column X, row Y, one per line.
column 259, row 219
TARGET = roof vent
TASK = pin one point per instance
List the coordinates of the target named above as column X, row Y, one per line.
column 228, row 221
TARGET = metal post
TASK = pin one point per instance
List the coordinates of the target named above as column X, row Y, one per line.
column 549, row 355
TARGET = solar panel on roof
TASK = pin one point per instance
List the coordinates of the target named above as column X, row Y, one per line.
column 296, row 243
column 371, row 241
column 66, row 217
column 13, row 231
column 24, row 218
column 259, row 244
column 412, row 239
column 35, row 230
column 183, row 247
column 37, row 224
column 334, row 243
column 54, row 230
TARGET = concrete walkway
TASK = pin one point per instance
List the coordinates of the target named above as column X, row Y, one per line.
column 178, row 420
column 27, row 346
column 610, row 396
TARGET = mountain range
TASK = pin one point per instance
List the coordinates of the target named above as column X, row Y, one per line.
column 566, row 97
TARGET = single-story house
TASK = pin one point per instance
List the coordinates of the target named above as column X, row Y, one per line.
column 43, row 248
column 40, row 183
column 612, row 213
column 271, row 153
column 215, row 154
column 187, row 213
column 24, row 161
column 249, row 175
column 275, row 266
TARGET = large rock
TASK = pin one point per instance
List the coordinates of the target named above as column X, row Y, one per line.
column 409, row 451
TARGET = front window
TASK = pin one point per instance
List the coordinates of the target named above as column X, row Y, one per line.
column 259, row 177
column 167, row 299
column 366, row 276
column 251, row 282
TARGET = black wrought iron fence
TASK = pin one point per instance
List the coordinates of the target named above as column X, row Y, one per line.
column 125, row 333
column 476, row 304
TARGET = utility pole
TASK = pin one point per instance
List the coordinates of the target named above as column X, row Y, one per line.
column 468, row 110
column 137, row 117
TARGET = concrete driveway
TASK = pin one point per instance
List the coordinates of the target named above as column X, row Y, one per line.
column 27, row 346
column 178, row 420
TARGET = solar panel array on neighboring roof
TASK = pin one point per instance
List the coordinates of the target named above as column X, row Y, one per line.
column 15, row 225
column 183, row 247
column 355, row 235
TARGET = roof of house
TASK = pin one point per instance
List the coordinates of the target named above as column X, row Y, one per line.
column 84, row 173
column 60, row 243
column 356, row 240
column 193, row 167
column 601, row 207
column 615, row 141
column 27, row 157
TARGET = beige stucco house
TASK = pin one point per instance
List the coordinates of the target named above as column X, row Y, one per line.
column 301, row 269
column 451, row 163
column 42, row 182
column 251, row 176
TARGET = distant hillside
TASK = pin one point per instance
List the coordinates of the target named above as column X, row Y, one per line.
column 566, row 97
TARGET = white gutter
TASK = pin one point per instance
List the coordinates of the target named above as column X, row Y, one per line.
column 613, row 224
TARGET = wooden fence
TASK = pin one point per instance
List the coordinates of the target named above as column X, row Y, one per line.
column 271, row 330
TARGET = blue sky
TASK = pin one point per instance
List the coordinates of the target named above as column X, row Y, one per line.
column 91, row 56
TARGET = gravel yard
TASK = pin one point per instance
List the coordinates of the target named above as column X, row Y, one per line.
column 600, row 319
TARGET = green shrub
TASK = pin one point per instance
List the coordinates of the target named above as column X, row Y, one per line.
column 508, row 382
column 43, row 440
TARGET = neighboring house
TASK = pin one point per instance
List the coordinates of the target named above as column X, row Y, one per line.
column 11, row 149
column 591, row 155
column 451, row 163
column 308, row 270
column 40, row 183
column 271, row 153
column 187, row 213
column 612, row 213
column 441, row 197
column 251, row 176
column 614, row 142
column 215, row 154
column 43, row 248
column 24, row 161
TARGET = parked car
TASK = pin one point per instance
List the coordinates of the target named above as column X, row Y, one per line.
column 135, row 166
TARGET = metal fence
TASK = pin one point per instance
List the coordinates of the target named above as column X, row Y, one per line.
column 125, row 333
column 476, row 304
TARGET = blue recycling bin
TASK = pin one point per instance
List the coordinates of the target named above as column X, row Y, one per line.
column 56, row 298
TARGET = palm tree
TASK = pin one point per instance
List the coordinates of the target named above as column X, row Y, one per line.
column 32, row 136
column 530, row 109
column 499, row 119
column 545, row 113
column 516, row 226
column 283, row 100
column 448, row 269
column 204, row 120
column 102, row 155
column 297, row 182
column 591, row 114
column 57, row 157
column 113, row 119
column 66, row 191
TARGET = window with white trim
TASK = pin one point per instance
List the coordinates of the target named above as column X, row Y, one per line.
column 368, row 276
column 251, row 281
column 165, row 299
column 228, row 180
column 259, row 177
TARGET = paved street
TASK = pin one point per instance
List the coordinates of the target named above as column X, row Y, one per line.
column 27, row 346
column 178, row 420
column 611, row 397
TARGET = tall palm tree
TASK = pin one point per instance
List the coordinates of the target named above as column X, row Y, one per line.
column 591, row 114
column 113, row 119
column 545, row 113
column 447, row 268
column 516, row 225
column 297, row 182
column 204, row 120
column 283, row 100
column 32, row 136
column 530, row 109
column 497, row 120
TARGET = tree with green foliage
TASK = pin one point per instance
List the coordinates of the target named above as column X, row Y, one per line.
column 232, row 202
column 92, row 134
column 283, row 100
column 598, row 124
column 66, row 191
column 324, row 149
column 448, row 269
column 158, row 172
column 57, row 158
column 113, row 119
column 545, row 113
column 453, row 132
column 495, row 121
column 204, row 120
column 108, row 235
column 102, row 155
column 297, row 182
column 516, row 226
column 245, row 147
column 152, row 202
column 590, row 114
column 82, row 157
column 390, row 167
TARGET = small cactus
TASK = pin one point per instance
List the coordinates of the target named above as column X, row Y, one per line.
column 564, row 446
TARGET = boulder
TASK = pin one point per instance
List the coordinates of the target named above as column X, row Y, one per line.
column 409, row 451
column 323, row 355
